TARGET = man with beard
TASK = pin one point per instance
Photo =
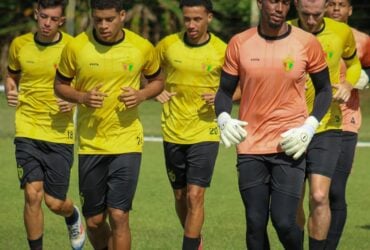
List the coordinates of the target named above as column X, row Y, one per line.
column 271, row 62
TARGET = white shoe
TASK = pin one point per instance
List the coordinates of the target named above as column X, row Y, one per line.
column 77, row 234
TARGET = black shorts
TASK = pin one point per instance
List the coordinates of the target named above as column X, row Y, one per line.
column 323, row 153
column 281, row 172
column 190, row 164
column 108, row 181
column 347, row 153
column 44, row 161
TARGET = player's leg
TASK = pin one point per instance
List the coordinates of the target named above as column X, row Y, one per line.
column 93, row 177
column 337, row 193
column 254, row 187
column 122, row 182
column 322, row 158
column 287, row 180
column 301, row 217
column 176, row 172
column 31, row 178
column 200, row 159
column 57, row 160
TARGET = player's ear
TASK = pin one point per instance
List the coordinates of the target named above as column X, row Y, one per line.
column 35, row 14
column 62, row 21
column 350, row 11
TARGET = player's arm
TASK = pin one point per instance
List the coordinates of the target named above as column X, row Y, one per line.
column 132, row 97
column 296, row 140
column 11, row 87
column 232, row 130
column 63, row 89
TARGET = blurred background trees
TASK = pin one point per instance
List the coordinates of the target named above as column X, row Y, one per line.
column 153, row 19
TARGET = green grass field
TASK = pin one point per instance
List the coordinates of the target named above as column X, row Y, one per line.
column 153, row 220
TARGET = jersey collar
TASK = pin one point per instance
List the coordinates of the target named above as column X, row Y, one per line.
column 45, row 43
column 196, row 45
column 282, row 36
column 108, row 43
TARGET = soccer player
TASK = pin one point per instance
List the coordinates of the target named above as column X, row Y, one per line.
column 341, row 10
column 322, row 154
column 271, row 62
column 192, row 62
column 44, row 129
column 107, row 62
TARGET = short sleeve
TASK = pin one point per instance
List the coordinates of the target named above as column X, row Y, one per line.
column 315, row 56
column 232, row 62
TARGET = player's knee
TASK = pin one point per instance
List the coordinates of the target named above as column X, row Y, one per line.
column 118, row 218
column 256, row 222
column 195, row 198
column 180, row 195
column 95, row 222
column 54, row 205
column 33, row 195
column 283, row 224
column 319, row 198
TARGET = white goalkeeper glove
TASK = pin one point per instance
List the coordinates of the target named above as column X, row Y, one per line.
column 295, row 141
column 232, row 130
column 363, row 81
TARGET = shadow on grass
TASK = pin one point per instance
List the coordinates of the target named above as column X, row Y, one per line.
column 366, row 227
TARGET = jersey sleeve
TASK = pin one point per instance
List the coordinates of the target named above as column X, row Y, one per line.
column 350, row 58
column 315, row 56
column 13, row 63
column 231, row 64
column 152, row 64
column 67, row 64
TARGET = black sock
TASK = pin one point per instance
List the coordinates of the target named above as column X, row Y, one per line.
column 303, row 237
column 35, row 244
column 316, row 244
column 73, row 218
column 190, row 243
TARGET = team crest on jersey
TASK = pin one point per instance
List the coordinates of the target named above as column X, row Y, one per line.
column 288, row 64
column 206, row 67
column 328, row 51
column 128, row 67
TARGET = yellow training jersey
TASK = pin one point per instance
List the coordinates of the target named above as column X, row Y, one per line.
column 337, row 41
column 112, row 129
column 191, row 70
column 37, row 114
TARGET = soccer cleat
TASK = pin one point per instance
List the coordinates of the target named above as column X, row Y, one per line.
column 77, row 234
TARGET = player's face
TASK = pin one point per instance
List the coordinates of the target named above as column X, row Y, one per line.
column 108, row 24
column 339, row 10
column 48, row 22
column 311, row 14
column 273, row 12
column 196, row 20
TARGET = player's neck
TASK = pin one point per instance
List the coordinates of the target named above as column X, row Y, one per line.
column 47, row 39
column 199, row 40
column 267, row 31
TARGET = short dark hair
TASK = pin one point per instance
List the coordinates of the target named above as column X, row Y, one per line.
column 106, row 4
column 52, row 3
column 191, row 3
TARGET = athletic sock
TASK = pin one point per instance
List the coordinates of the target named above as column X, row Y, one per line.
column 35, row 244
column 73, row 218
column 316, row 244
column 190, row 243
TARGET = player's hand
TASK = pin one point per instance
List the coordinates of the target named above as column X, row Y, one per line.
column 296, row 140
column 363, row 81
column 130, row 97
column 165, row 96
column 343, row 91
column 12, row 97
column 93, row 98
column 64, row 106
column 209, row 98
column 232, row 130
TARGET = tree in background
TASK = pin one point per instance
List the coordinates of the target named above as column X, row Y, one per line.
column 153, row 19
